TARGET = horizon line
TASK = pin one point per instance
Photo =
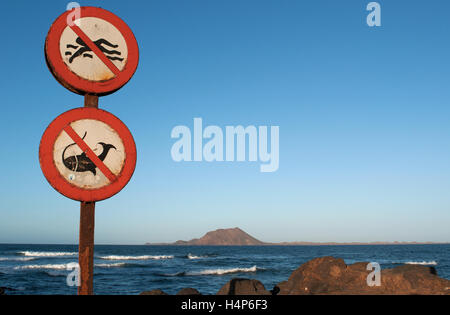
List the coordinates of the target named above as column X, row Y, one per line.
column 264, row 244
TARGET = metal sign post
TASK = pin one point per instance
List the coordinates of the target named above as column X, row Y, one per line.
column 87, row 227
column 86, row 248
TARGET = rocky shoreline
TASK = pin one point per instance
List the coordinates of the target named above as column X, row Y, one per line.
column 331, row 276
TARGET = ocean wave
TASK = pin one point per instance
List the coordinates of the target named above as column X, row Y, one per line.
column 65, row 266
column 49, row 266
column 47, row 254
column 146, row 257
column 224, row 271
column 178, row 274
column 190, row 256
column 17, row 258
column 115, row 265
column 423, row 263
column 122, row 265
column 217, row 272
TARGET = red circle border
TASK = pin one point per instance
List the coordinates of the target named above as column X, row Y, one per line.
column 54, row 177
column 70, row 80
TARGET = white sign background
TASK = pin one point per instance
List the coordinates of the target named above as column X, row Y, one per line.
column 93, row 69
column 96, row 132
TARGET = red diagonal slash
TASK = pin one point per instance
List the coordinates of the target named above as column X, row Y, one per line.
column 95, row 49
column 90, row 154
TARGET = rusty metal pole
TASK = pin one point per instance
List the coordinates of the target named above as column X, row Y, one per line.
column 91, row 101
column 86, row 248
column 87, row 225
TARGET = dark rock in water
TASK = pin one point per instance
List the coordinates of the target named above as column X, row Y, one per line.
column 154, row 292
column 4, row 289
column 243, row 287
column 329, row 275
column 188, row 291
column 275, row 290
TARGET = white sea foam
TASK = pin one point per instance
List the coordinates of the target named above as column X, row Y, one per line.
column 58, row 273
column 223, row 271
column 49, row 266
column 64, row 266
column 146, row 257
column 47, row 254
column 424, row 263
column 16, row 258
column 190, row 256
column 110, row 265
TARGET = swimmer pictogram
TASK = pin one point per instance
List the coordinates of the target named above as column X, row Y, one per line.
column 82, row 49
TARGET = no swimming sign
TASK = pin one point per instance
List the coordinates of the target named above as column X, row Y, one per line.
column 96, row 53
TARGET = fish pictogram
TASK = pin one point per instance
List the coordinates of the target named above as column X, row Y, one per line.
column 81, row 163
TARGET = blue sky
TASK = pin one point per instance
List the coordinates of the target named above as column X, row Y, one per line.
column 363, row 112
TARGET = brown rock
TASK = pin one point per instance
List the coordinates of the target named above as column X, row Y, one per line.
column 412, row 279
column 243, row 287
column 328, row 275
column 188, row 291
column 154, row 292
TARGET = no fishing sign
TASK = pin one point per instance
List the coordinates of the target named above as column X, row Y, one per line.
column 87, row 154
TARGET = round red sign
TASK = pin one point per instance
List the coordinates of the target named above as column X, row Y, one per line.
column 87, row 154
column 96, row 53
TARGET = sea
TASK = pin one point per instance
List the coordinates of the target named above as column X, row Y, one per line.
column 130, row 270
